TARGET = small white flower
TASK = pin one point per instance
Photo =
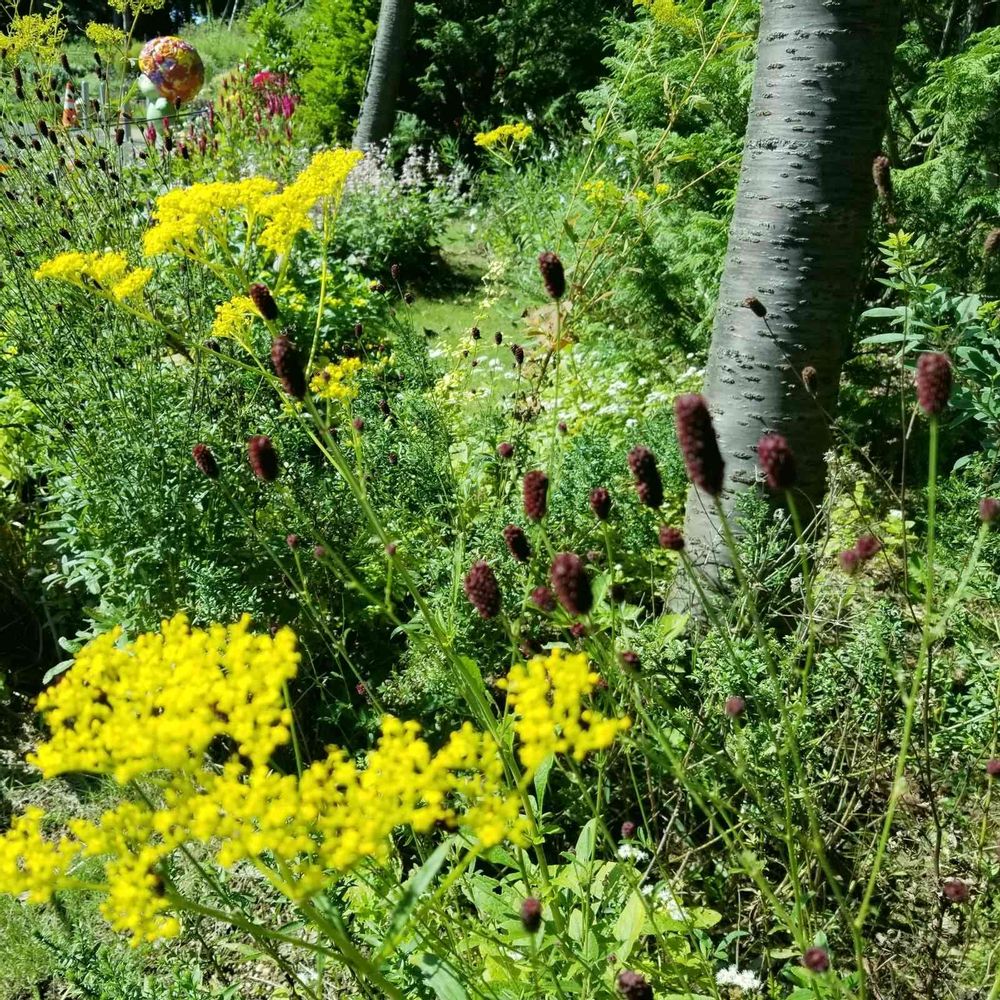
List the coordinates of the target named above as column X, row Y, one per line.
column 746, row 981
column 629, row 852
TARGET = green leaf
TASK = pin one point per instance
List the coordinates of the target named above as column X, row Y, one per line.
column 542, row 779
column 881, row 312
column 585, row 842
column 629, row 925
column 415, row 887
column 887, row 338
column 440, row 976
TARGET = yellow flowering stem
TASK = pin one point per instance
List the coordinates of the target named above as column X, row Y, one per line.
column 323, row 276
column 253, row 929
column 293, row 728
column 360, row 964
column 388, row 946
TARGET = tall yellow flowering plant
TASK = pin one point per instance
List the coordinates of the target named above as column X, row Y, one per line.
column 188, row 721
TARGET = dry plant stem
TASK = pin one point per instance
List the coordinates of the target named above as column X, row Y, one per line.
column 898, row 784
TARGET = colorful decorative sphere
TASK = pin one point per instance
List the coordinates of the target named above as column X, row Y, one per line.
column 174, row 67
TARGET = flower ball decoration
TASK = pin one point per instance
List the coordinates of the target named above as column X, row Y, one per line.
column 174, row 67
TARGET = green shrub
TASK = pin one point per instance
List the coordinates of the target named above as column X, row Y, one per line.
column 276, row 47
column 334, row 42
column 389, row 218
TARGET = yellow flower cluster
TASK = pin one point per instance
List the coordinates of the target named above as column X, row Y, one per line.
column 33, row 34
column 600, row 192
column 151, row 710
column 30, row 863
column 335, row 381
column 196, row 686
column 136, row 7
column 185, row 216
column 234, row 318
column 670, row 14
column 548, row 696
column 323, row 180
column 106, row 273
column 515, row 134
column 105, row 36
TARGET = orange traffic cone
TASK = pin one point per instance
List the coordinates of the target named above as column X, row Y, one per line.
column 69, row 116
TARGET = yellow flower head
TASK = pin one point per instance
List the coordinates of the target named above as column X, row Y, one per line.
column 196, row 686
column 185, row 217
column 335, row 381
column 515, row 134
column 547, row 695
column 322, row 181
column 29, row 862
column 132, row 284
column 35, row 35
column 670, row 14
column 106, row 273
column 235, row 317
column 600, row 192
column 105, row 36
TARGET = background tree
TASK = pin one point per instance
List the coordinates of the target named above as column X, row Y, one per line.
column 797, row 239
column 378, row 109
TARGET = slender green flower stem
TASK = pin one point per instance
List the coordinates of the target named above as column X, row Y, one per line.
column 792, row 750
column 995, row 991
column 349, row 953
column 712, row 814
column 807, row 595
column 788, row 750
column 898, row 784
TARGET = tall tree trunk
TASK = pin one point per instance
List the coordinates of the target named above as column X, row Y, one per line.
column 378, row 109
column 796, row 241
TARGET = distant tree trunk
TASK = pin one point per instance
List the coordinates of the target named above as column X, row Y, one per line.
column 796, row 241
column 378, row 109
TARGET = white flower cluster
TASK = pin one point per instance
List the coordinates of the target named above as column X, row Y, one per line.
column 745, row 981
column 631, row 852
column 664, row 896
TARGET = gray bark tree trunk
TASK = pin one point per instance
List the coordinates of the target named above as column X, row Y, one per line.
column 796, row 241
column 378, row 109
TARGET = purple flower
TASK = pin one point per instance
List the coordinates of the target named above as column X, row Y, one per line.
column 777, row 461
column 698, row 443
column 933, row 382
column 571, row 584
column 482, row 589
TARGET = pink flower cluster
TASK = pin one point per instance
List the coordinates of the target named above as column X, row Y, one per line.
column 276, row 93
